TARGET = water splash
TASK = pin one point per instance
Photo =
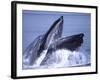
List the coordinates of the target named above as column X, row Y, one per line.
column 61, row 58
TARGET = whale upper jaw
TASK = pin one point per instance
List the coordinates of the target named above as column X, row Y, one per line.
column 71, row 42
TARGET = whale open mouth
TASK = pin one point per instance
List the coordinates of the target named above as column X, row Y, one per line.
column 50, row 42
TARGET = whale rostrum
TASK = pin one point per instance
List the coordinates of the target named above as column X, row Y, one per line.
column 52, row 40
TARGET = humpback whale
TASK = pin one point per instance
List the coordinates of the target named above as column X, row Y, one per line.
column 51, row 41
column 42, row 42
column 71, row 43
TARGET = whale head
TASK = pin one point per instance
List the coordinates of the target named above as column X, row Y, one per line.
column 71, row 42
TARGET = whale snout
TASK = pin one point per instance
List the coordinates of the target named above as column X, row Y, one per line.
column 81, row 35
column 76, row 39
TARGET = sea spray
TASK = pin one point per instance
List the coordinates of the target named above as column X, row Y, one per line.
column 66, row 58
